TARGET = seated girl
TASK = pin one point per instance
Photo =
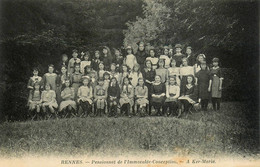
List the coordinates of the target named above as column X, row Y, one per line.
column 113, row 94
column 158, row 91
column 100, row 96
column 141, row 94
column 49, row 102
column 85, row 96
column 35, row 100
column 135, row 74
column 172, row 94
column 126, row 97
column 67, row 104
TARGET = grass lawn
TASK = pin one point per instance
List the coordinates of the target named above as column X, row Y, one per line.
column 226, row 132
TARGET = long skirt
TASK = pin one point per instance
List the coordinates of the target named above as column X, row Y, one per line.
column 67, row 103
column 142, row 101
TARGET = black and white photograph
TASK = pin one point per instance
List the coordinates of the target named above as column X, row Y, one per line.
column 141, row 83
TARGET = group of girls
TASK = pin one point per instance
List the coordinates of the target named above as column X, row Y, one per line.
column 135, row 84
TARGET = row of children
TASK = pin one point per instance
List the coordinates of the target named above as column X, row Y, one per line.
column 134, row 85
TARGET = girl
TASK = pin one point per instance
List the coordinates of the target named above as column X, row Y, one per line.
column 141, row 55
column 185, row 71
column 172, row 94
column 190, row 56
column 101, row 70
column 113, row 94
column 178, row 56
column 200, row 58
column 202, row 80
column 216, row 84
column 75, row 79
column 106, row 77
column 61, row 82
column 85, row 96
column 126, row 97
column 48, row 98
column 96, row 60
column 85, row 62
column 189, row 96
column 72, row 61
column 100, row 95
column 158, row 91
column 124, row 74
column 174, row 71
column 135, row 75
column 92, row 74
column 35, row 99
column 50, row 78
column 165, row 56
column 130, row 59
column 152, row 58
column 141, row 94
column 68, row 96
column 113, row 72
column 107, row 57
column 118, row 59
column 149, row 75
column 162, row 71
column 35, row 79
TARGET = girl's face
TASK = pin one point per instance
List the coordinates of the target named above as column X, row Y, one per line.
column 166, row 51
column 86, row 57
column 85, row 82
column 178, row 50
column 124, row 68
column 50, row 69
column 136, row 68
column 64, row 58
column 157, row 79
column 141, row 82
column 184, row 62
column 113, row 81
column 170, row 51
column 152, row 54
column 101, row 82
column 129, row 51
column 117, row 53
column 161, row 63
column 203, row 66
column 47, row 87
column 189, row 80
column 97, row 55
column 63, row 70
column 105, row 51
column 113, row 68
column 77, row 68
column 35, row 72
column 215, row 64
column 188, row 51
column 75, row 54
column 126, row 81
column 200, row 58
column 101, row 66
column 172, row 81
column 67, row 83
column 141, row 47
column 173, row 63
column 148, row 64
column 106, row 76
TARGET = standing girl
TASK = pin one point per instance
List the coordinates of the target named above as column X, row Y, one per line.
column 62, row 77
column 75, row 79
column 174, row 71
column 185, row 71
column 106, row 77
column 113, row 72
column 165, row 56
column 130, row 59
column 141, row 95
column 74, row 60
column 124, row 74
column 162, row 71
column 50, row 78
column 95, row 62
column 158, row 91
column 118, row 59
column 107, row 57
column 85, row 62
column 172, row 94
column 101, row 70
column 202, row 80
column 152, row 58
column 35, row 99
column 216, row 84
column 68, row 95
column 100, row 96
column 135, row 75
column 48, row 98
column 113, row 94
column 85, row 95
column 127, row 97
column 200, row 58
column 178, row 56
column 35, row 79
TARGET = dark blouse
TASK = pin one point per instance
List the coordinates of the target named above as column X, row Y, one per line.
column 140, row 57
column 158, row 89
column 178, row 59
column 114, row 91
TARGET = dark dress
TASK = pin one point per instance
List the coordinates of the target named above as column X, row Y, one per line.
column 216, row 75
column 107, row 62
column 203, row 83
column 149, row 75
column 191, row 60
column 95, row 63
column 140, row 58
column 157, row 90
column 113, row 91
column 178, row 59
